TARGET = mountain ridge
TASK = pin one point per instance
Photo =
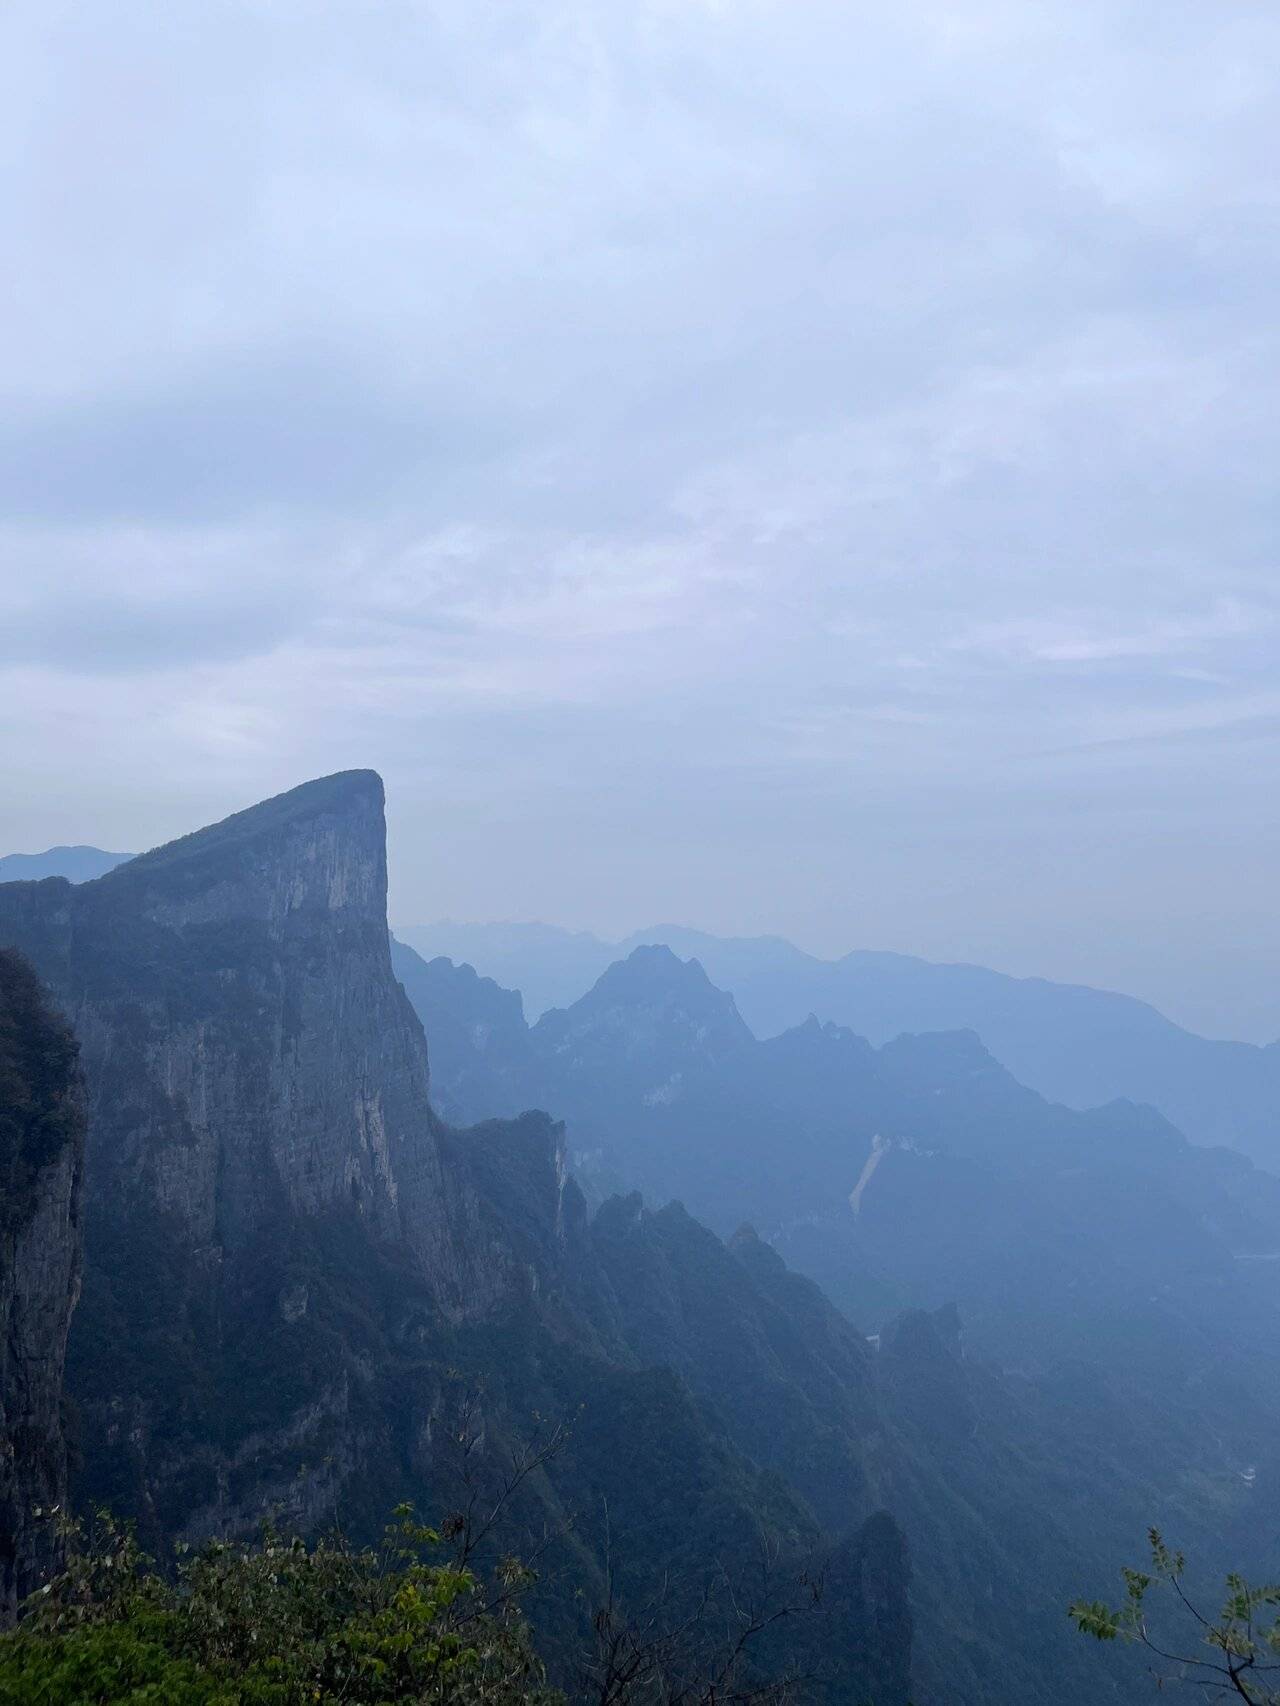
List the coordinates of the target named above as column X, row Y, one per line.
column 299, row 1278
column 1074, row 1044
column 1104, row 1267
column 77, row 864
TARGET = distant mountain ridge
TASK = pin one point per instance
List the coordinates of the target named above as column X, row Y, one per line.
column 1118, row 1299
column 1075, row 1045
column 76, row 864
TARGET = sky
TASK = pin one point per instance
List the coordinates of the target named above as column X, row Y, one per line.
column 772, row 465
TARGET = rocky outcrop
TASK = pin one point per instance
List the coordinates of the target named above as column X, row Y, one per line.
column 248, row 1051
column 299, row 1281
column 254, row 1071
column 41, row 1174
column 481, row 1052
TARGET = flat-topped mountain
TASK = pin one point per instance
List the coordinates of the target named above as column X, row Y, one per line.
column 247, row 1047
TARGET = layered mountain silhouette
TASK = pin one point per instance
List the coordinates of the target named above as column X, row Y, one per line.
column 313, row 1267
column 1117, row 1285
column 77, row 864
column 303, row 1289
column 1073, row 1044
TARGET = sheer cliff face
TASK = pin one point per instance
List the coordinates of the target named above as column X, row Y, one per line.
column 258, row 1117
column 295, row 1276
column 248, row 1050
column 41, row 1171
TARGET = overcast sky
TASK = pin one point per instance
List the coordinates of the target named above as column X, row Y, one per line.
column 767, row 464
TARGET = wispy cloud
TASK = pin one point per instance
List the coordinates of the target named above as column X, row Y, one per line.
column 613, row 420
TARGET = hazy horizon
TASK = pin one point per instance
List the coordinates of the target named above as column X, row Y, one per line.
column 804, row 473
column 832, row 952
column 1193, row 1017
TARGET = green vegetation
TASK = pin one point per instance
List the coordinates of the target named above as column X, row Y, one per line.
column 1233, row 1654
column 278, row 1623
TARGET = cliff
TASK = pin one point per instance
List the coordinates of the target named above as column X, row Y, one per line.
column 41, row 1175
column 302, row 1289
column 255, row 1073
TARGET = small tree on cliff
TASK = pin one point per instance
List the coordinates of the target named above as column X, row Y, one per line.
column 1231, row 1654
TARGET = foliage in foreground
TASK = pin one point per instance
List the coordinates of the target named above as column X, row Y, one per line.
column 1242, row 1660
column 276, row 1624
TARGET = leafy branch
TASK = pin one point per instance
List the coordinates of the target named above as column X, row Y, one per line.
column 1242, row 1639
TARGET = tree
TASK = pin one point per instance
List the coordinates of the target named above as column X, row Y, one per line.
column 1242, row 1641
column 277, row 1623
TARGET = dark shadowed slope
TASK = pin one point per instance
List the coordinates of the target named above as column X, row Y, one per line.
column 41, row 1179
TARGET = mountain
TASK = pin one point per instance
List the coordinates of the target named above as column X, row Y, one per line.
column 1117, row 1284
column 661, row 1083
column 77, row 864
column 305, row 1293
column 1073, row 1044
column 549, row 966
column 42, row 1124
column 476, row 1028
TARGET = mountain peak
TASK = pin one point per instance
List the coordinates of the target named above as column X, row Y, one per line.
column 345, row 792
column 653, row 965
column 320, row 847
column 655, row 1003
column 653, row 976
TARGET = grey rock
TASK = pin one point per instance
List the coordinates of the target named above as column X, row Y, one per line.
column 41, row 1244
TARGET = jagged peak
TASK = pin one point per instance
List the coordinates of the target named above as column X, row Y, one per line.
column 653, row 965
column 653, row 973
column 815, row 1033
column 651, row 999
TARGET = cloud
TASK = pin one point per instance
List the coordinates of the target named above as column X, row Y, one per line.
column 614, row 421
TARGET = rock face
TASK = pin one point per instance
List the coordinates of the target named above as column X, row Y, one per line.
column 476, row 1028
column 249, row 1053
column 254, row 1071
column 41, row 1176
column 299, row 1281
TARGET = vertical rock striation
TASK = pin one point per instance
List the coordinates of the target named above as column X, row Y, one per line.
column 41, row 1175
column 298, row 1280
column 248, row 1050
column 257, row 1079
